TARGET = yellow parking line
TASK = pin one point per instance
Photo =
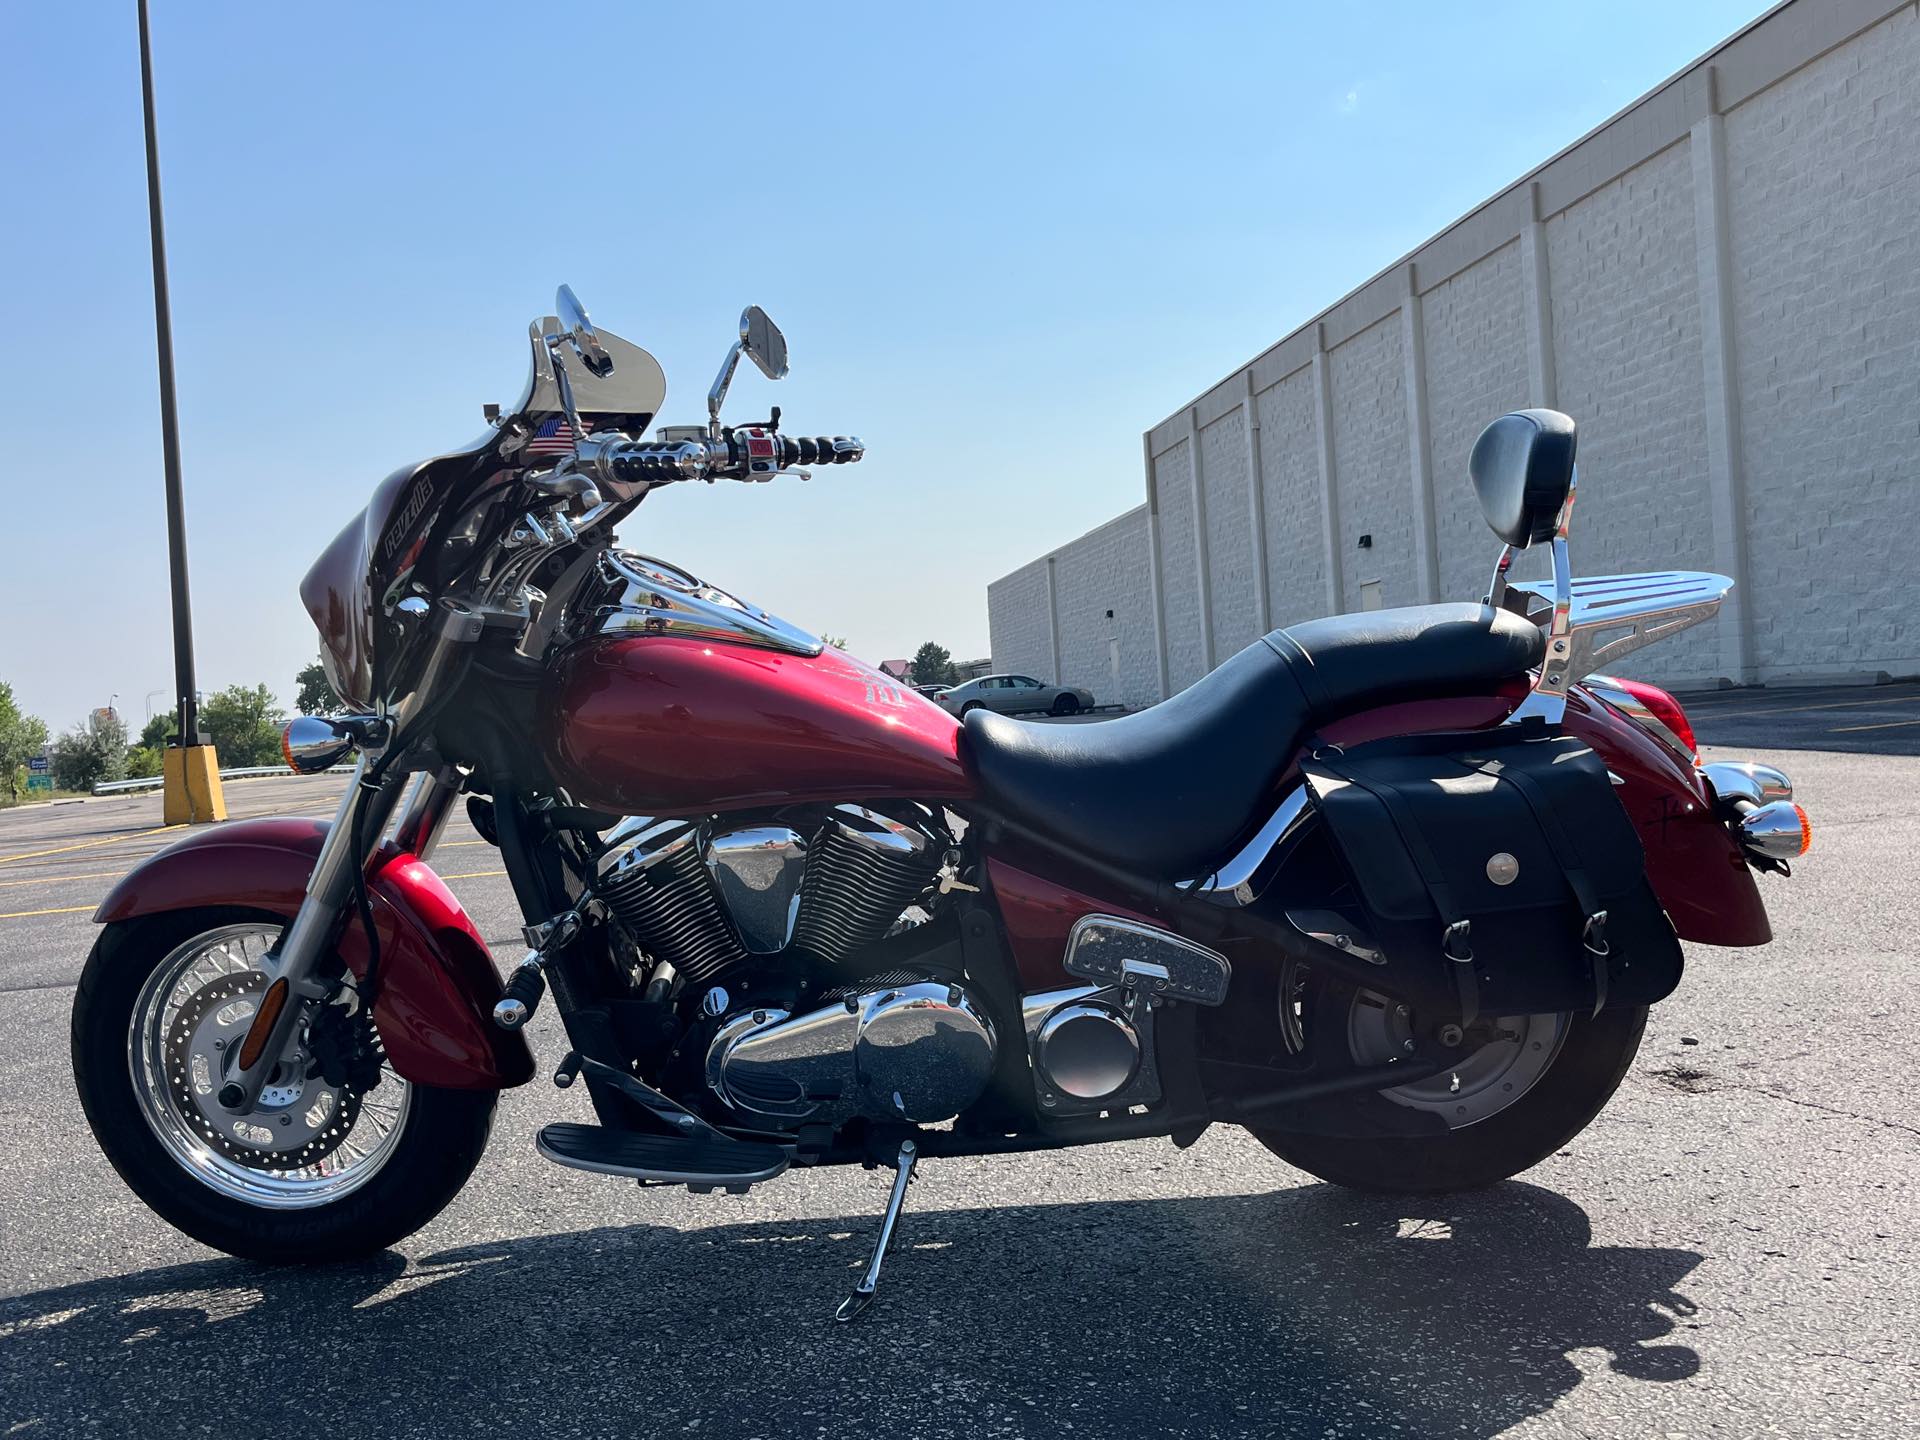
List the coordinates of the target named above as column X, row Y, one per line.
column 456, row 844
column 473, row 875
column 57, row 879
column 88, row 844
column 64, row 910
column 1883, row 725
column 1720, row 714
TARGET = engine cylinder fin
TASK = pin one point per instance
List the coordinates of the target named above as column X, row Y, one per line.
column 654, row 877
column 862, row 872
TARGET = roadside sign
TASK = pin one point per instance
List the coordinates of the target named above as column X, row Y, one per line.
column 38, row 764
column 39, row 780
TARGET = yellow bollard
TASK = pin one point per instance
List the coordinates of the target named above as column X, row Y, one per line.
column 193, row 794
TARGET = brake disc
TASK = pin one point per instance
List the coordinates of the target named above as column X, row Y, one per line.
column 300, row 1119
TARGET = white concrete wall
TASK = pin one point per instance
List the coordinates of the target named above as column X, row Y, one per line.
column 1102, row 611
column 1824, row 203
column 1721, row 285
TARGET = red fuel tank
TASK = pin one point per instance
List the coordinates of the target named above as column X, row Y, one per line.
column 667, row 725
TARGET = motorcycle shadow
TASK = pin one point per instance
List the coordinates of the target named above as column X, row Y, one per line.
column 1308, row 1311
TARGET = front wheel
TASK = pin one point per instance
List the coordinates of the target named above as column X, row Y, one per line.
column 1508, row 1105
column 1067, row 705
column 341, row 1157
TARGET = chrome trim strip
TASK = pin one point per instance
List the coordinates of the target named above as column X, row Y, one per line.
column 1631, row 706
column 655, row 598
column 1233, row 882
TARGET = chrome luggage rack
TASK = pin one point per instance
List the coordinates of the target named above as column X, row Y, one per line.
column 1613, row 615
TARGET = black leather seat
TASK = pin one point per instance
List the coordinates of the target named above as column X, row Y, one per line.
column 1167, row 793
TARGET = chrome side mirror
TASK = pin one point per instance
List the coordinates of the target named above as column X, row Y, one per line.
column 763, row 342
column 579, row 331
column 310, row 744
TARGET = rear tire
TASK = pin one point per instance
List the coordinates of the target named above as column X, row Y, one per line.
column 440, row 1136
column 968, row 708
column 1592, row 1061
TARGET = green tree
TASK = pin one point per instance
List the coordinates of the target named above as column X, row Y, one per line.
column 142, row 761
column 933, row 665
column 21, row 736
column 316, row 693
column 838, row 642
column 244, row 725
column 158, row 732
column 84, row 757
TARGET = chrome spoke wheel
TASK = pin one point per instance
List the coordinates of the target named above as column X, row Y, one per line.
column 308, row 1141
column 1484, row 1081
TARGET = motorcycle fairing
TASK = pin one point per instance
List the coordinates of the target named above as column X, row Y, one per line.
column 437, row 981
column 414, row 513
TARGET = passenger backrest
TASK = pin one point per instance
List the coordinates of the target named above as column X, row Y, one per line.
column 1522, row 469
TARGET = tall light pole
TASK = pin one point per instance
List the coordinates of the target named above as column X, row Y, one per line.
column 192, row 770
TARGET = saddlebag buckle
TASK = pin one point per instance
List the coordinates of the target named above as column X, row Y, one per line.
column 1453, row 944
column 1594, row 938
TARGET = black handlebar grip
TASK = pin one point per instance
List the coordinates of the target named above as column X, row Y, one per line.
column 631, row 467
column 820, row 450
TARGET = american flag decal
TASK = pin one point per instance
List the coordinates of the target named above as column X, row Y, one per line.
column 554, row 437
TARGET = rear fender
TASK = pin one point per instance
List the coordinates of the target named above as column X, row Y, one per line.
column 1693, row 861
column 437, row 981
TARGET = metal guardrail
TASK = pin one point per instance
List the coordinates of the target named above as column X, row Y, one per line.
column 148, row 782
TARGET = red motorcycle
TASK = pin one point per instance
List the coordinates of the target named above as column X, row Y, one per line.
column 1393, row 890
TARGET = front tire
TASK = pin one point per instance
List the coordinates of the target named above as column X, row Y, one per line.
column 1066, row 705
column 236, row 1194
column 1592, row 1059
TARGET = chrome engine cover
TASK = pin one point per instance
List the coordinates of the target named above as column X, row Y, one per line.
column 759, row 870
column 1091, row 1048
column 920, row 1053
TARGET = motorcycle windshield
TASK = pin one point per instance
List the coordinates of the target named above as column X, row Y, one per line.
column 369, row 565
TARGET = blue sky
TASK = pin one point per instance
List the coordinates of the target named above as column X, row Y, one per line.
column 1002, row 241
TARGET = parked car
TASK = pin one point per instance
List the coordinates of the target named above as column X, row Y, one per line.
column 1013, row 694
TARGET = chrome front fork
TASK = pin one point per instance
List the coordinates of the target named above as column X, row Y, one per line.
column 294, row 985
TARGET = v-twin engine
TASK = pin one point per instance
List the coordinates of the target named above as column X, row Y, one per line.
column 705, row 899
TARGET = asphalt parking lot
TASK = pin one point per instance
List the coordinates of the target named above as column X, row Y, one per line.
column 1730, row 1250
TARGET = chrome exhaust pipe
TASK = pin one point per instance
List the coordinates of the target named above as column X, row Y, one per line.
column 1778, row 830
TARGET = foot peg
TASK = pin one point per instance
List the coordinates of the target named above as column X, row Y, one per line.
column 862, row 1296
column 701, row 1162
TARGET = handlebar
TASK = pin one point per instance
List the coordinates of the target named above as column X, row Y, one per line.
column 751, row 453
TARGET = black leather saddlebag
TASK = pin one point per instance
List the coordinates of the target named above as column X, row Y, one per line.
column 1497, row 869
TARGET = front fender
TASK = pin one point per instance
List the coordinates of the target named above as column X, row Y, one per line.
column 437, row 981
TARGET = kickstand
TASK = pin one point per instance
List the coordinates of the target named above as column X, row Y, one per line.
column 862, row 1295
